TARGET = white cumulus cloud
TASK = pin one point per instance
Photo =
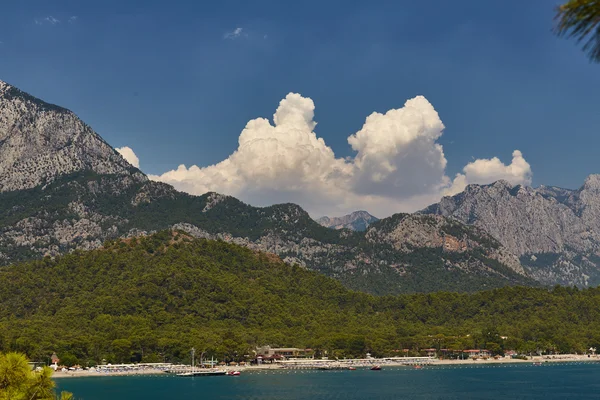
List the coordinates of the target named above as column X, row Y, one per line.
column 397, row 153
column 129, row 155
column 483, row 171
column 398, row 165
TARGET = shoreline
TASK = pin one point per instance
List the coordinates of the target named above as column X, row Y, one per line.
column 341, row 365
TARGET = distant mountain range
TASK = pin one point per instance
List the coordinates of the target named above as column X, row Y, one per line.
column 356, row 221
column 64, row 188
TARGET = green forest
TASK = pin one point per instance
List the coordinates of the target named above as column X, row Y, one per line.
column 153, row 298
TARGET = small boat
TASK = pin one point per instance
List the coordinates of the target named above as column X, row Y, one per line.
column 418, row 367
column 208, row 372
column 537, row 363
column 233, row 373
column 352, row 368
column 201, row 372
column 376, row 368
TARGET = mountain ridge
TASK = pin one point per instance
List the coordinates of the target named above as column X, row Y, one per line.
column 560, row 226
column 41, row 141
column 82, row 196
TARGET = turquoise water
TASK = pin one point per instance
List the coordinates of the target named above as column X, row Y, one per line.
column 549, row 381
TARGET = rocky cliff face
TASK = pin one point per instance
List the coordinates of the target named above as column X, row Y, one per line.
column 356, row 221
column 408, row 232
column 555, row 231
column 78, row 211
column 63, row 188
column 41, row 141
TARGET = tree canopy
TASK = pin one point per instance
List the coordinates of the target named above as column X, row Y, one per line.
column 153, row 298
column 580, row 19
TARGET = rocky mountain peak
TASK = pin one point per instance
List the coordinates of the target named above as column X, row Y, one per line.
column 555, row 231
column 40, row 142
column 4, row 86
column 356, row 221
column 502, row 184
column 361, row 214
column 9, row 92
column 592, row 182
column 499, row 185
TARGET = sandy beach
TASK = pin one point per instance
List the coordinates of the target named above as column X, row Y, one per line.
column 529, row 360
column 341, row 364
column 87, row 374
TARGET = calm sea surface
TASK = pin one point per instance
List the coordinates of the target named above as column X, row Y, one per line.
column 554, row 381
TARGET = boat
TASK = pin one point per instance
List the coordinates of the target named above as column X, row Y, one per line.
column 201, row 372
column 234, row 373
column 206, row 372
column 418, row 367
column 352, row 368
column 376, row 368
column 330, row 367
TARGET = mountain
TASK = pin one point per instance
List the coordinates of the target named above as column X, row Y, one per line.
column 90, row 194
column 554, row 231
column 40, row 142
column 403, row 253
column 152, row 298
column 356, row 221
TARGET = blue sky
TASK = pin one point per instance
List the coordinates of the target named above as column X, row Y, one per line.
column 163, row 78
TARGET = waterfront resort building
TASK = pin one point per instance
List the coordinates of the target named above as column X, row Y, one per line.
column 268, row 353
column 477, row 353
column 429, row 352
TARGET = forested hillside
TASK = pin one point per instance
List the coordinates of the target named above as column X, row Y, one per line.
column 153, row 298
column 84, row 209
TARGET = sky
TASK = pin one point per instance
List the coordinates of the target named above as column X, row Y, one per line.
column 334, row 105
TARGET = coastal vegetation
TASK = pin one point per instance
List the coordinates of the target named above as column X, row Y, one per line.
column 152, row 298
column 19, row 382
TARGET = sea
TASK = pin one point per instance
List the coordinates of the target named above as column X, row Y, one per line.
column 506, row 382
